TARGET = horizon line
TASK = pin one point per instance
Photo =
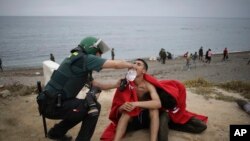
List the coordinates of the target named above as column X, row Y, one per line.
column 119, row 16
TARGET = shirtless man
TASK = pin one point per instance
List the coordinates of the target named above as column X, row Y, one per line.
column 148, row 101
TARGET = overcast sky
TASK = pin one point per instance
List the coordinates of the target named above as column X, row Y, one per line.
column 179, row 8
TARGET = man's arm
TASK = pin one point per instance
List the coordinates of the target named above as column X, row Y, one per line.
column 117, row 64
column 154, row 103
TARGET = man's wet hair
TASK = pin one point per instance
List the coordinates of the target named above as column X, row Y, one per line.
column 144, row 63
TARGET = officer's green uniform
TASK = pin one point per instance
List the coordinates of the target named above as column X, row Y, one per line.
column 66, row 82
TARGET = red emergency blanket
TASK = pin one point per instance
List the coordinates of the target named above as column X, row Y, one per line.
column 175, row 88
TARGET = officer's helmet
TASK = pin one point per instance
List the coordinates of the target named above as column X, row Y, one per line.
column 92, row 45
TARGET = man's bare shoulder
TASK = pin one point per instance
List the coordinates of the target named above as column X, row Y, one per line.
column 152, row 90
column 148, row 84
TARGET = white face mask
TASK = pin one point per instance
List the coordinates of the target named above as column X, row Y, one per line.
column 131, row 75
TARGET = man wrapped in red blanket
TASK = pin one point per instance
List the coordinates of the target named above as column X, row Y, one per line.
column 173, row 101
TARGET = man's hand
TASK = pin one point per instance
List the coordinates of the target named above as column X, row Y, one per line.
column 128, row 106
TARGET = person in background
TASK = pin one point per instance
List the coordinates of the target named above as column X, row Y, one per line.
column 169, row 56
column 201, row 54
column 112, row 54
column 58, row 99
column 160, row 55
column 195, row 56
column 1, row 65
column 188, row 58
column 185, row 55
column 208, row 56
column 225, row 54
column 248, row 60
column 52, row 58
column 163, row 56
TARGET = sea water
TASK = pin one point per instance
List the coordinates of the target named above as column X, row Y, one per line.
column 28, row 41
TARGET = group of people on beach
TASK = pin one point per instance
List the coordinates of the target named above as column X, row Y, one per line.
column 144, row 102
column 189, row 56
column 200, row 56
column 208, row 55
column 163, row 55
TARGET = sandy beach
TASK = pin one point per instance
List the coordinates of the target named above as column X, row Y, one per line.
column 20, row 120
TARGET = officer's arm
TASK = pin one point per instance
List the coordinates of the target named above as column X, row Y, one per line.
column 106, row 86
column 117, row 64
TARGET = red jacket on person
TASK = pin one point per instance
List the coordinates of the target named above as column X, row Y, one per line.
column 175, row 88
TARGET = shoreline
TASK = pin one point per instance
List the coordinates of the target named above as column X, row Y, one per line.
column 217, row 71
column 146, row 58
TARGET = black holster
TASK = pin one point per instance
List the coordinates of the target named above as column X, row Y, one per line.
column 48, row 105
